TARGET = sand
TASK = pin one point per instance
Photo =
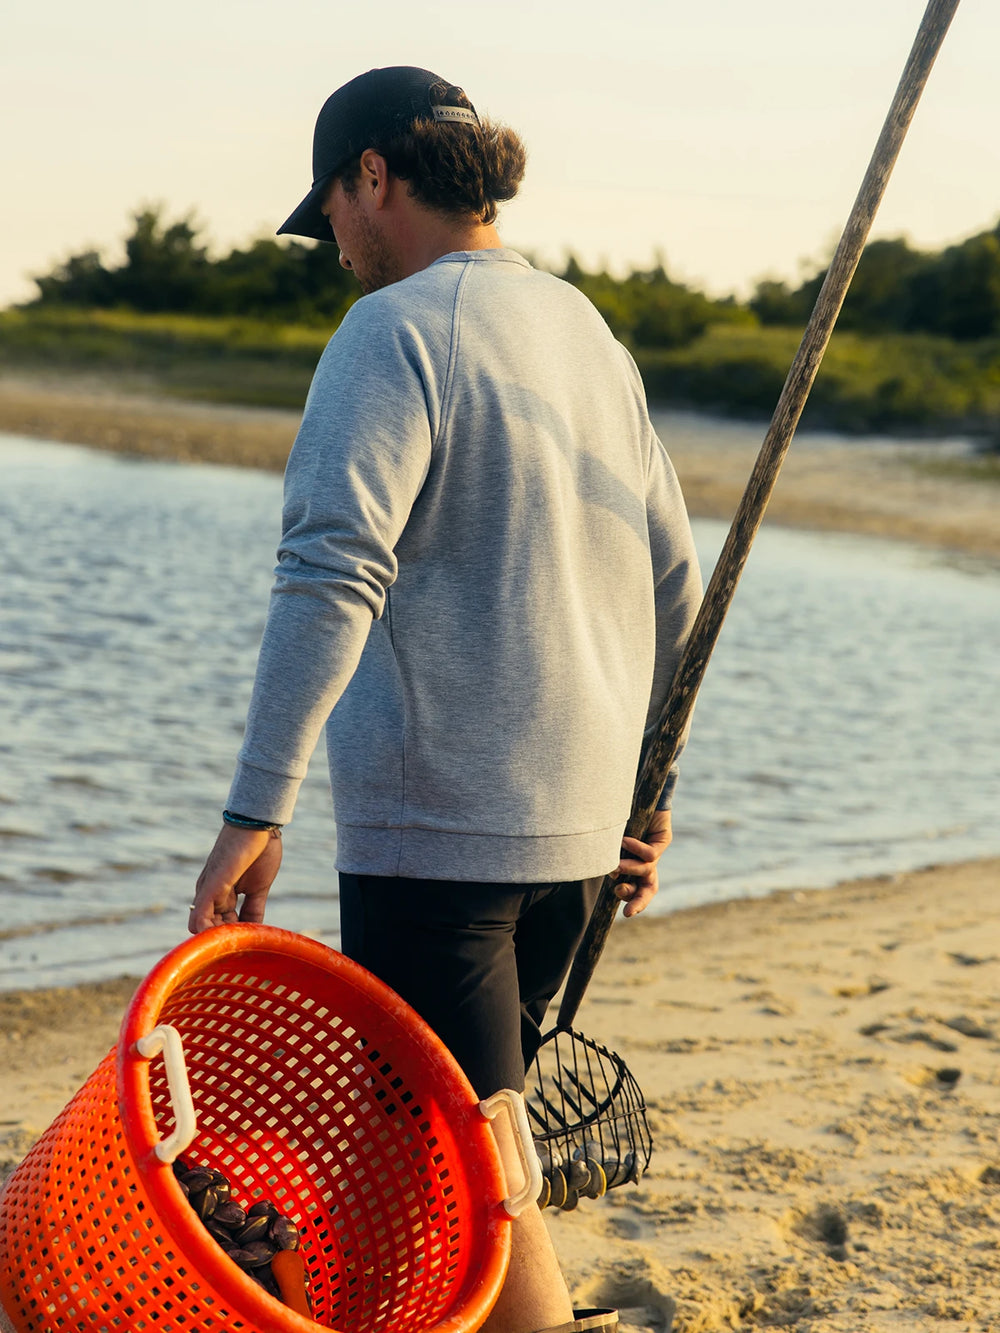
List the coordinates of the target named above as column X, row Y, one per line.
column 99, row 413
column 822, row 1067
column 823, row 1074
column 822, row 1070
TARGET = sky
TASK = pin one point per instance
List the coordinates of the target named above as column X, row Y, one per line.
column 728, row 137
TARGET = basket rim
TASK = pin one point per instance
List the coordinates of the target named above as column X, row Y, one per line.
column 455, row 1093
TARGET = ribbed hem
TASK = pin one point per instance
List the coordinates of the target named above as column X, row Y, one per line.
column 487, row 857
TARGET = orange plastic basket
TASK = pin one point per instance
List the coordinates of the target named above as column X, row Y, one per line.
column 315, row 1086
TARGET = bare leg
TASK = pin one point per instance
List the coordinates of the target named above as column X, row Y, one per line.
column 534, row 1296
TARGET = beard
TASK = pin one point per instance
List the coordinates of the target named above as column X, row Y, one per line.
column 373, row 263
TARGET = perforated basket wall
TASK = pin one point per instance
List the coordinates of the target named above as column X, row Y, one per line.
column 316, row 1087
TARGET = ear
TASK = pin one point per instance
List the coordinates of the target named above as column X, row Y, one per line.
column 375, row 177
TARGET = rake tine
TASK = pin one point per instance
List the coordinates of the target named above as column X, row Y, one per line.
column 537, row 1090
column 581, row 1087
column 573, row 1106
column 556, row 1112
column 598, row 1105
column 536, row 1116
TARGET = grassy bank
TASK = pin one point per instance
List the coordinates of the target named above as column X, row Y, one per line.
column 251, row 363
column 890, row 383
column 900, row 382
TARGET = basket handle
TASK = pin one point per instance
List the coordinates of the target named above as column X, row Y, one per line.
column 531, row 1171
column 168, row 1040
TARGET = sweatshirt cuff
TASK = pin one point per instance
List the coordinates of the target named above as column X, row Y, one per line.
column 260, row 794
column 667, row 794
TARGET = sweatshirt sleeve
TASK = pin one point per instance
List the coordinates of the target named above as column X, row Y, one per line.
column 359, row 460
column 677, row 587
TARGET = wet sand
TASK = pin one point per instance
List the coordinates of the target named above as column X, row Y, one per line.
column 880, row 489
column 822, row 1070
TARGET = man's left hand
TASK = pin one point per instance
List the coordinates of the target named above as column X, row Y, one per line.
column 242, row 864
column 638, row 864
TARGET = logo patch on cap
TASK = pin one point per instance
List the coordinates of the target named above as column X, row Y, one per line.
column 457, row 115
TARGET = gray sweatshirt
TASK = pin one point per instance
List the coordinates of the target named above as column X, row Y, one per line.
column 485, row 578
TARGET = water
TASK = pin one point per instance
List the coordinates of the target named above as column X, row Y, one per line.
column 848, row 724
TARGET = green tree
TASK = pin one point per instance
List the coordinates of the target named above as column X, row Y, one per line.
column 647, row 308
column 82, row 280
column 959, row 293
column 882, row 295
column 292, row 282
column 774, row 302
column 165, row 268
column 955, row 292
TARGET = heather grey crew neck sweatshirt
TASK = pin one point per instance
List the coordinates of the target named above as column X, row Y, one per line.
column 485, row 578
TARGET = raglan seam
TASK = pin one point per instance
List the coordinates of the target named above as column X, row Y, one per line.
column 449, row 378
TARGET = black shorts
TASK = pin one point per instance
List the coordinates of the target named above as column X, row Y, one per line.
column 478, row 962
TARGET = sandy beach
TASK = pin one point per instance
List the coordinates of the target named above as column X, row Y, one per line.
column 822, row 1067
column 822, row 1071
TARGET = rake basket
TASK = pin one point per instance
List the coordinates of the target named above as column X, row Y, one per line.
column 588, row 1119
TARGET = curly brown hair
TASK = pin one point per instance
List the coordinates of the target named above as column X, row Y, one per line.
column 459, row 169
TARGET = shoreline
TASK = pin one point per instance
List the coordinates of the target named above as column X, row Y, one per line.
column 821, row 1069
column 827, row 483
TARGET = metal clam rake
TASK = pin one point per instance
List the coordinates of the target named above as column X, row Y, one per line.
column 587, row 1110
column 588, row 1120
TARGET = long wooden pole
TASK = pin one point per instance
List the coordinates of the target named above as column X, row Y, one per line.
column 676, row 711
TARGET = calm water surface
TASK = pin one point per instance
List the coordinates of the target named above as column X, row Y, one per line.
column 848, row 724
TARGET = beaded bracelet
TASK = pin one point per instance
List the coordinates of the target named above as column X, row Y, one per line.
column 242, row 821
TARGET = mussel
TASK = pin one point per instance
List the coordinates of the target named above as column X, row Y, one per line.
column 283, row 1234
column 598, row 1185
column 577, row 1174
column 559, row 1188
column 204, row 1202
column 250, row 1236
column 545, row 1193
column 256, row 1254
column 230, row 1215
column 256, row 1228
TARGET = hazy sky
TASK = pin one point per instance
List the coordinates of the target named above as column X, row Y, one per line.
column 729, row 134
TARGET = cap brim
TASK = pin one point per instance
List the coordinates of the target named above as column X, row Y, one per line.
column 309, row 218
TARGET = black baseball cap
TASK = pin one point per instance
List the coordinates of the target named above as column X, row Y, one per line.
column 369, row 108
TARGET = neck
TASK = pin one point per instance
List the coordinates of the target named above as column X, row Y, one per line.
column 422, row 236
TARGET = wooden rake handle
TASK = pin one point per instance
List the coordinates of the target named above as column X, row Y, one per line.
column 690, row 672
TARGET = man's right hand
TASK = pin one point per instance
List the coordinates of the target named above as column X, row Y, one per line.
column 638, row 866
column 243, row 863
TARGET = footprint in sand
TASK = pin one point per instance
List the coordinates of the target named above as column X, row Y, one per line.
column 970, row 960
column 919, row 1034
column 943, row 1079
column 873, row 986
column 910, row 1036
column 825, row 1225
column 638, row 1290
column 969, row 1027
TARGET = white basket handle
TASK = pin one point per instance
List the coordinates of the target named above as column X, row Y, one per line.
column 168, row 1040
column 531, row 1171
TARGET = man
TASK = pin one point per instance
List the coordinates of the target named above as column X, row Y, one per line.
column 485, row 578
